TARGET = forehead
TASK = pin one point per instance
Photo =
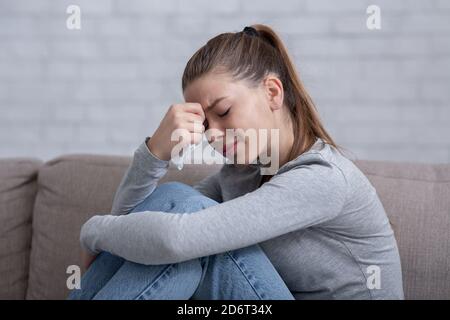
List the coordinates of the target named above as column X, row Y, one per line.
column 209, row 87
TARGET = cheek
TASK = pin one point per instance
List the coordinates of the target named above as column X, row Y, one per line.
column 250, row 113
column 260, row 119
column 253, row 115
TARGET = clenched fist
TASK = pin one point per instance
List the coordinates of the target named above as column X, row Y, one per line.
column 187, row 116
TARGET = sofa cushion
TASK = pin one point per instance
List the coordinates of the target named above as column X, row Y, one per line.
column 72, row 189
column 416, row 198
column 17, row 193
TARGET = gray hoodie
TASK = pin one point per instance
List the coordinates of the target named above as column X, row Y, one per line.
column 319, row 220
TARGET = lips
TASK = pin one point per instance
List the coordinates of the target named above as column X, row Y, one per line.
column 229, row 147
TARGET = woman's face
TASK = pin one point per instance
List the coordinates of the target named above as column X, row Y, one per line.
column 231, row 104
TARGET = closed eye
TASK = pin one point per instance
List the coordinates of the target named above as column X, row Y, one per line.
column 225, row 113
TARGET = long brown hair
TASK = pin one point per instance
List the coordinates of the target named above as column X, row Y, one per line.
column 251, row 57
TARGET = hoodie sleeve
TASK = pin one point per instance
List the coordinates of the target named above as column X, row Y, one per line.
column 304, row 196
column 139, row 181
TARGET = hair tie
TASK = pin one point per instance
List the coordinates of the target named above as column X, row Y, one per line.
column 250, row 31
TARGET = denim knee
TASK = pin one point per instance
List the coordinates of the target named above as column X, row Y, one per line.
column 175, row 186
column 175, row 197
column 193, row 203
column 175, row 190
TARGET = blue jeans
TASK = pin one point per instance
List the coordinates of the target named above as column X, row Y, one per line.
column 241, row 274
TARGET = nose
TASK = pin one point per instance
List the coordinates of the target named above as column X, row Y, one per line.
column 212, row 131
column 212, row 139
column 214, row 135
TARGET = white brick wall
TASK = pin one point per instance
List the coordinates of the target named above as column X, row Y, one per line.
column 382, row 94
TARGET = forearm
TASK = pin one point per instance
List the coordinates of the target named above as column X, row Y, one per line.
column 153, row 237
column 139, row 181
column 135, row 237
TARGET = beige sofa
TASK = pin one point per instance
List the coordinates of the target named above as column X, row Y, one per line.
column 43, row 205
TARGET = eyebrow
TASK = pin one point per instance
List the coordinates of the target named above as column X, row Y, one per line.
column 215, row 103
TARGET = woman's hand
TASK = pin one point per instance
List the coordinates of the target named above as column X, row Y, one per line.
column 179, row 116
column 87, row 258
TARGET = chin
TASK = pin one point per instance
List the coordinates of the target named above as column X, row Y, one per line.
column 245, row 160
column 240, row 155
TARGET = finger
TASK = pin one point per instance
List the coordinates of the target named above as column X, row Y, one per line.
column 189, row 138
column 193, row 117
column 196, row 127
column 186, row 136
column 194, row 108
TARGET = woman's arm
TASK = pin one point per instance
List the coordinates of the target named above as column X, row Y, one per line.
column 302, row 197
column 147, row 166
column 139, row 181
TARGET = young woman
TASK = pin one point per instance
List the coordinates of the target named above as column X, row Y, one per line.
column 315, row 229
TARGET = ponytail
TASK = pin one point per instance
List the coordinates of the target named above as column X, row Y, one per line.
column 305, row 119
column 251, row 56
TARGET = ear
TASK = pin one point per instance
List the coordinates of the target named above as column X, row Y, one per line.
column 274, row 91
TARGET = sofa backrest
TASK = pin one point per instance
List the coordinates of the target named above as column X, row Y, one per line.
column 416, row 198
column 73, row 188
column 17, row 192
